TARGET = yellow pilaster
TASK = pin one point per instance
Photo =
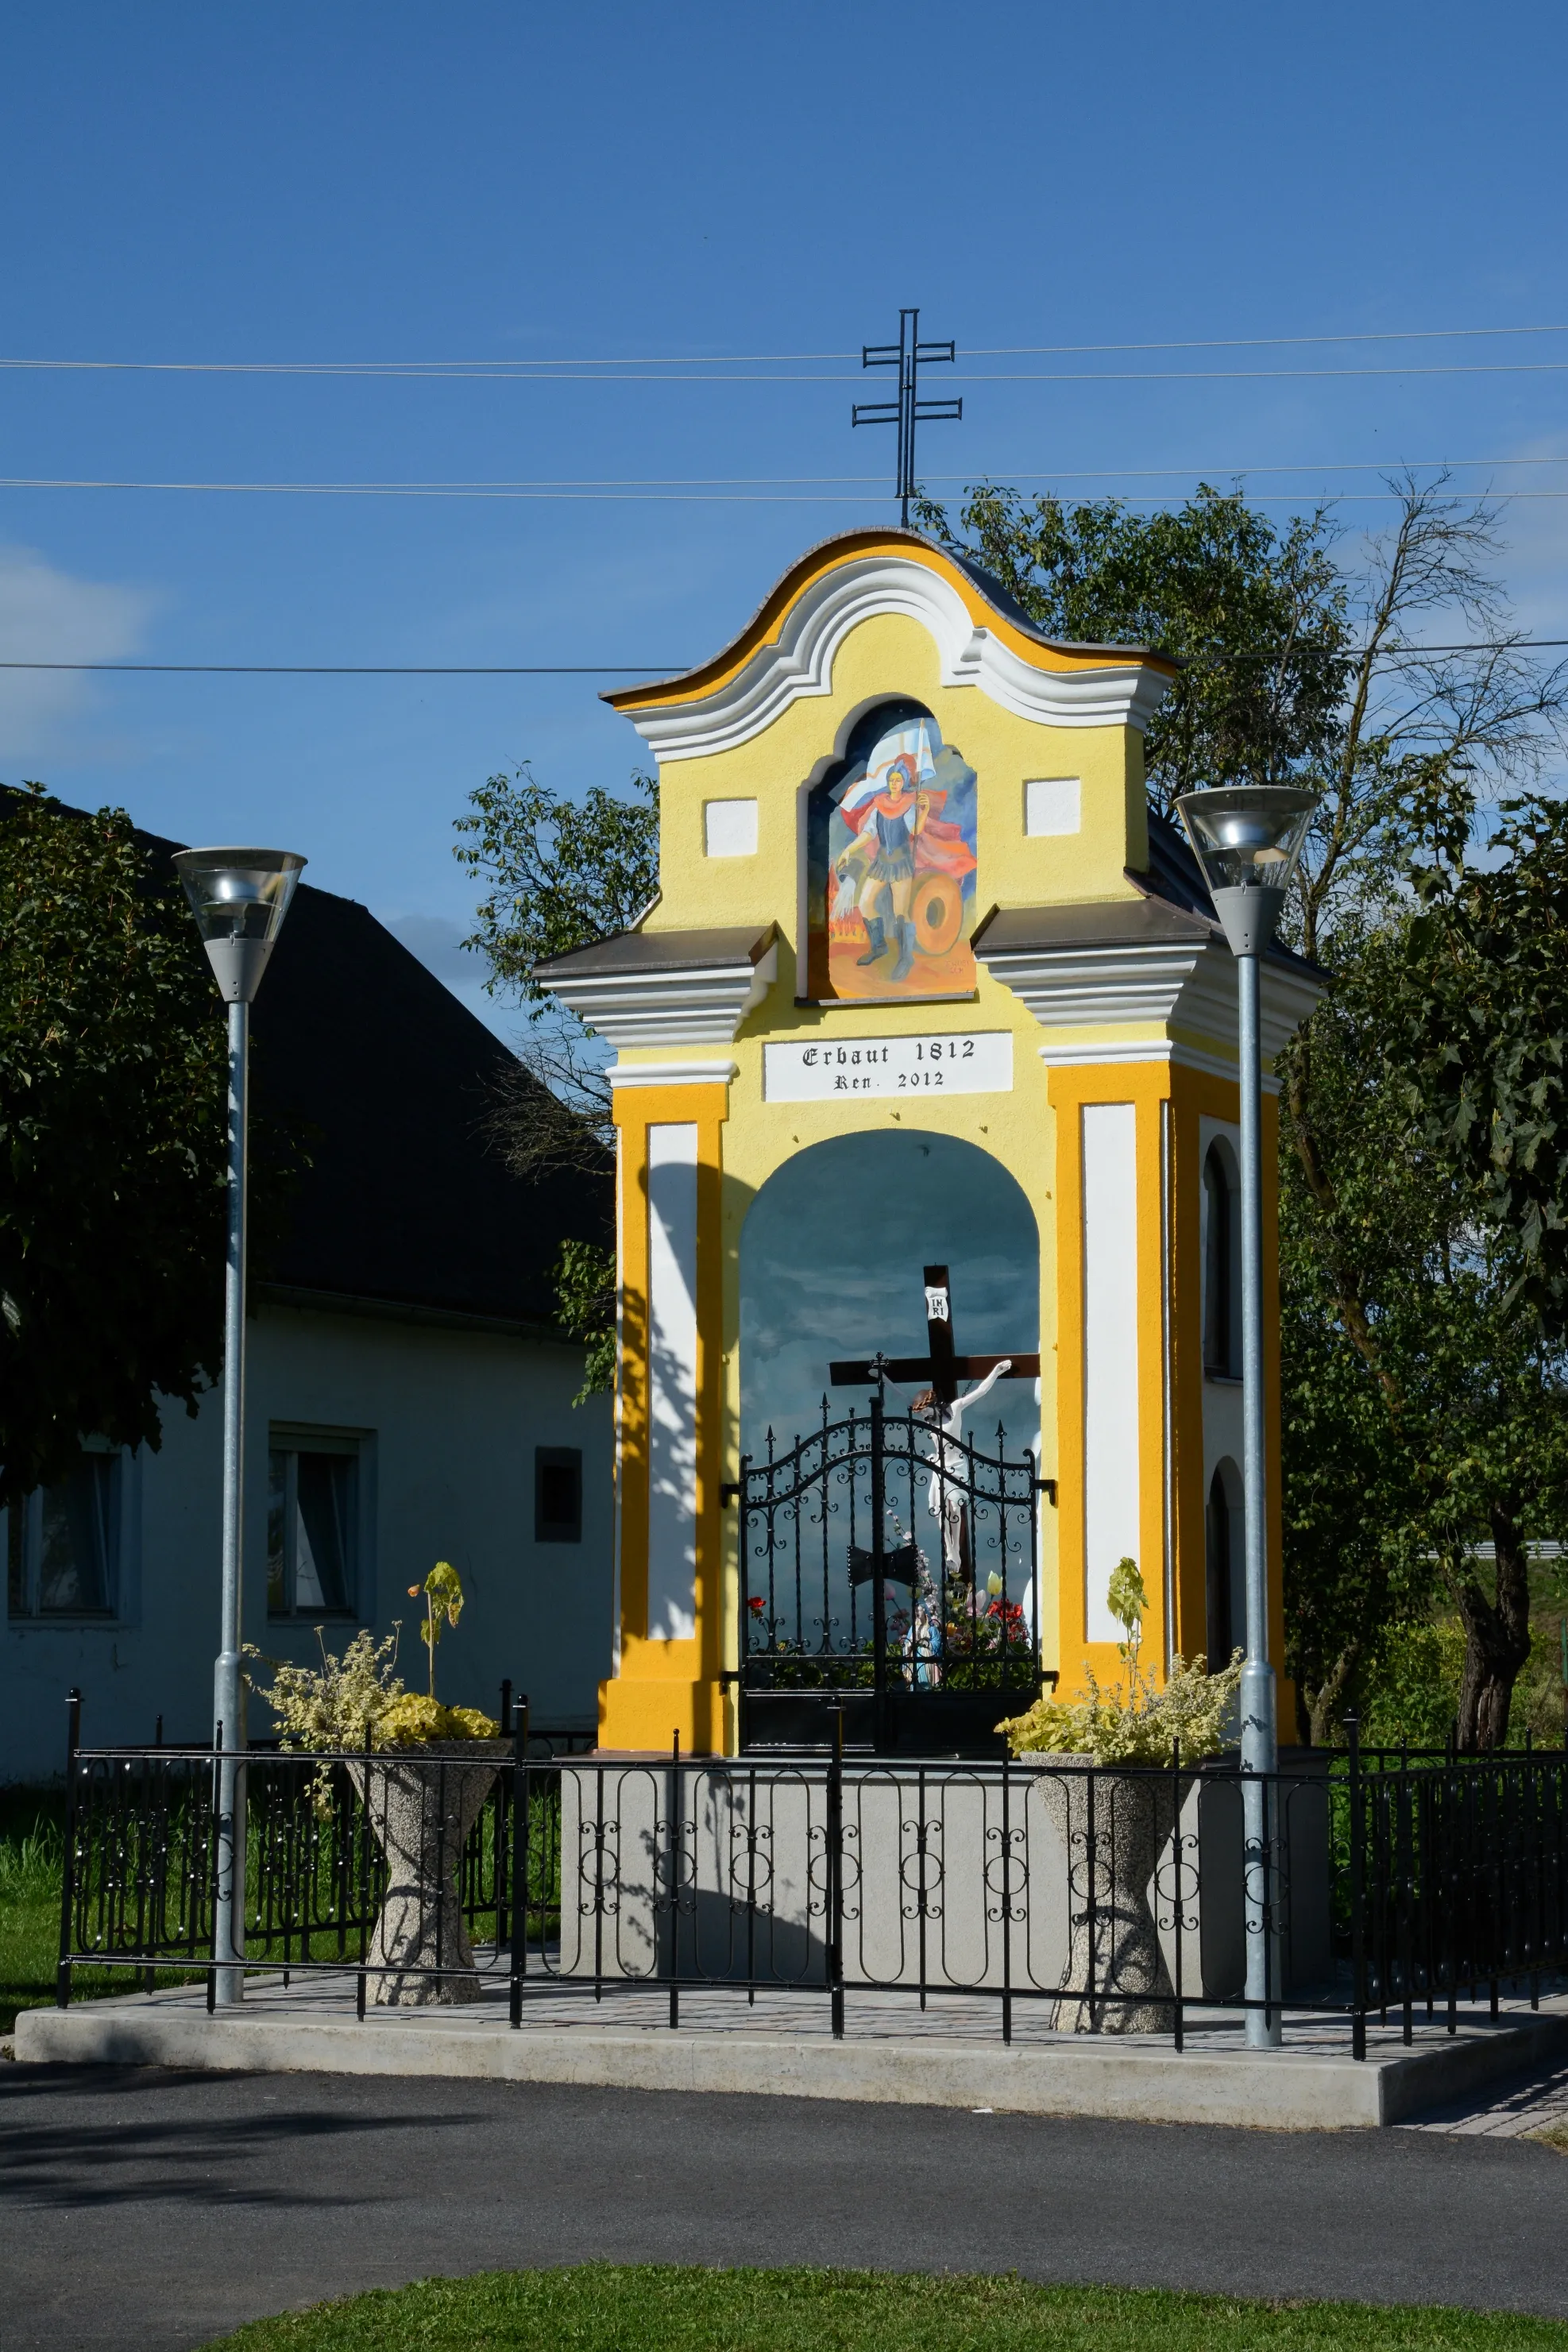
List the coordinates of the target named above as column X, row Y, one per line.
column 662, row 1688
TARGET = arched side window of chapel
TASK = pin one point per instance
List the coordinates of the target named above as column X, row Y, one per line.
column 1225, row 1532
column 1222, row 1262
column 890, row 864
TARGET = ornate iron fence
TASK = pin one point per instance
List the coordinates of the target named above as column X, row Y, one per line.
column 1102, row 1899
column 889, row 1571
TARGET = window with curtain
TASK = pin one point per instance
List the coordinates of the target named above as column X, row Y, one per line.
column 63, row 1542
column 313, row 1521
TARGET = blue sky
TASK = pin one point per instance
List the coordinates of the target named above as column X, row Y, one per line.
column 509, row 183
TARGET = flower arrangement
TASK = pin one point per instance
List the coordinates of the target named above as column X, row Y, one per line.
column 1134, row 1723
column 358, row 1700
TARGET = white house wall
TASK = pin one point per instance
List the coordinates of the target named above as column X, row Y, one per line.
column 457, row 1415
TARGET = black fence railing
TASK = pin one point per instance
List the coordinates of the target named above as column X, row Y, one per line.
column 1099, row 1899
column 890, row 1572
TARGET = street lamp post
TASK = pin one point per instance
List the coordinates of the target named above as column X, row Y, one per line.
column 239, row 897
column 1248, row 838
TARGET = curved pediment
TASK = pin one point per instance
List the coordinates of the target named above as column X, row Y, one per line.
column 982, row 639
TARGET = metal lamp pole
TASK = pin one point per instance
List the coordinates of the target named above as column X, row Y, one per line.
column 239, row 897
column 1247, row 839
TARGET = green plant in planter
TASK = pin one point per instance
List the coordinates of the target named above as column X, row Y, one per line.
column 358, row 1700
column 408, row 1720
column 339, row 1704
column 442, row 1595
column 1133, row 1722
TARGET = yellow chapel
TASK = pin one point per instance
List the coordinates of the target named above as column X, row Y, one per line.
column 927, row 992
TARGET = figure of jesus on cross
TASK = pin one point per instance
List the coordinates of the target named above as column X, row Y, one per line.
column 940, row 1406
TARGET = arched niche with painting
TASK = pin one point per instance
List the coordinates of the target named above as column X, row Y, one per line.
column 891, row 862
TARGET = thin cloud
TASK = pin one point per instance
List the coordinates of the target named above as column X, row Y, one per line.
column 47, row 614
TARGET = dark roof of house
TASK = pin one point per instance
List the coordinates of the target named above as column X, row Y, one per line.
column 407, row 1200
column 389, row 1083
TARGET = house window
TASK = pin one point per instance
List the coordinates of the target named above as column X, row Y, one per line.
column 315, row 1517
column 63, row 1542
column 557, row 1494
column 1222, row 1264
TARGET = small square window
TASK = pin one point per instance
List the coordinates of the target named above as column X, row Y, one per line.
column 1052, row 804
column 63, row 1542
column 313, row 1522
column 730, row 828
column 557, row 1494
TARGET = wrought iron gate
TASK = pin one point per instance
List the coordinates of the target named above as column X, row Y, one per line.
column 890, row 1570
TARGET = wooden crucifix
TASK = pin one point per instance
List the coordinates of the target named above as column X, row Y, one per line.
column 941, row 1367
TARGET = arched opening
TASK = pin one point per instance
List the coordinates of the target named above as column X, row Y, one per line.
column 891, row 863
column 1226, row 1551
column 831, row 1257
column 1222, row 1262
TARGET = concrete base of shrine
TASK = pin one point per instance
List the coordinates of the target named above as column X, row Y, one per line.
column 950, row 2056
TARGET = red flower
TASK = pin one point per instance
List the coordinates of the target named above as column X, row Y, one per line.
column 755, row 1604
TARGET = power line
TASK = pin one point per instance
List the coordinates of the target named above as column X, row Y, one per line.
column 503, row 368
column 674, row 495
column 787, row 481
column 583, row 669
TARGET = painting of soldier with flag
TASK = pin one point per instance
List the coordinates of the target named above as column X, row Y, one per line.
column 891, row 860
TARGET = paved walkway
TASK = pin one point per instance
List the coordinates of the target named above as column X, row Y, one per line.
column 1531, row 2102
column 148, row 2212
column 569, row 2004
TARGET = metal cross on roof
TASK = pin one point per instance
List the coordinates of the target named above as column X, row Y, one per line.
column 907, row 355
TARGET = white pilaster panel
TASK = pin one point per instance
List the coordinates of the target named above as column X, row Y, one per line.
column 1110, row 1469
column 672, row 1382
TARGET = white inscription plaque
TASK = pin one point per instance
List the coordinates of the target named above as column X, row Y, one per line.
column 977, row 1063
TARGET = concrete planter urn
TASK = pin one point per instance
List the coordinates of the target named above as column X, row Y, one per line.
column 423, row 1802
column 1111, row 1928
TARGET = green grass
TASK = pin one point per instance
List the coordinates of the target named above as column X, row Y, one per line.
column 604, row 2309
column 31, row 1848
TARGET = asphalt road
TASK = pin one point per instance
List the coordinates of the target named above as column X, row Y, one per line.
column 147, row 2211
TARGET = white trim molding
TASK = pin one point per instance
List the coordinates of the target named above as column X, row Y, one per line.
column 1154, row 1049
column 1102, row 693
column 702, row 1005
column 672, row 1382
column 1112, row 1467
column 718, row 1072
column 1190, row 984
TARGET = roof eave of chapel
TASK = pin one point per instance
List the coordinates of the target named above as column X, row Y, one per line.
column 990, row 604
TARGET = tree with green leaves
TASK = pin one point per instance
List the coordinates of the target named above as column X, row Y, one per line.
column 1426, row 1399
column 1261, row 620
column 112, row 1130
column 1422, row 1404
column 559, row 874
